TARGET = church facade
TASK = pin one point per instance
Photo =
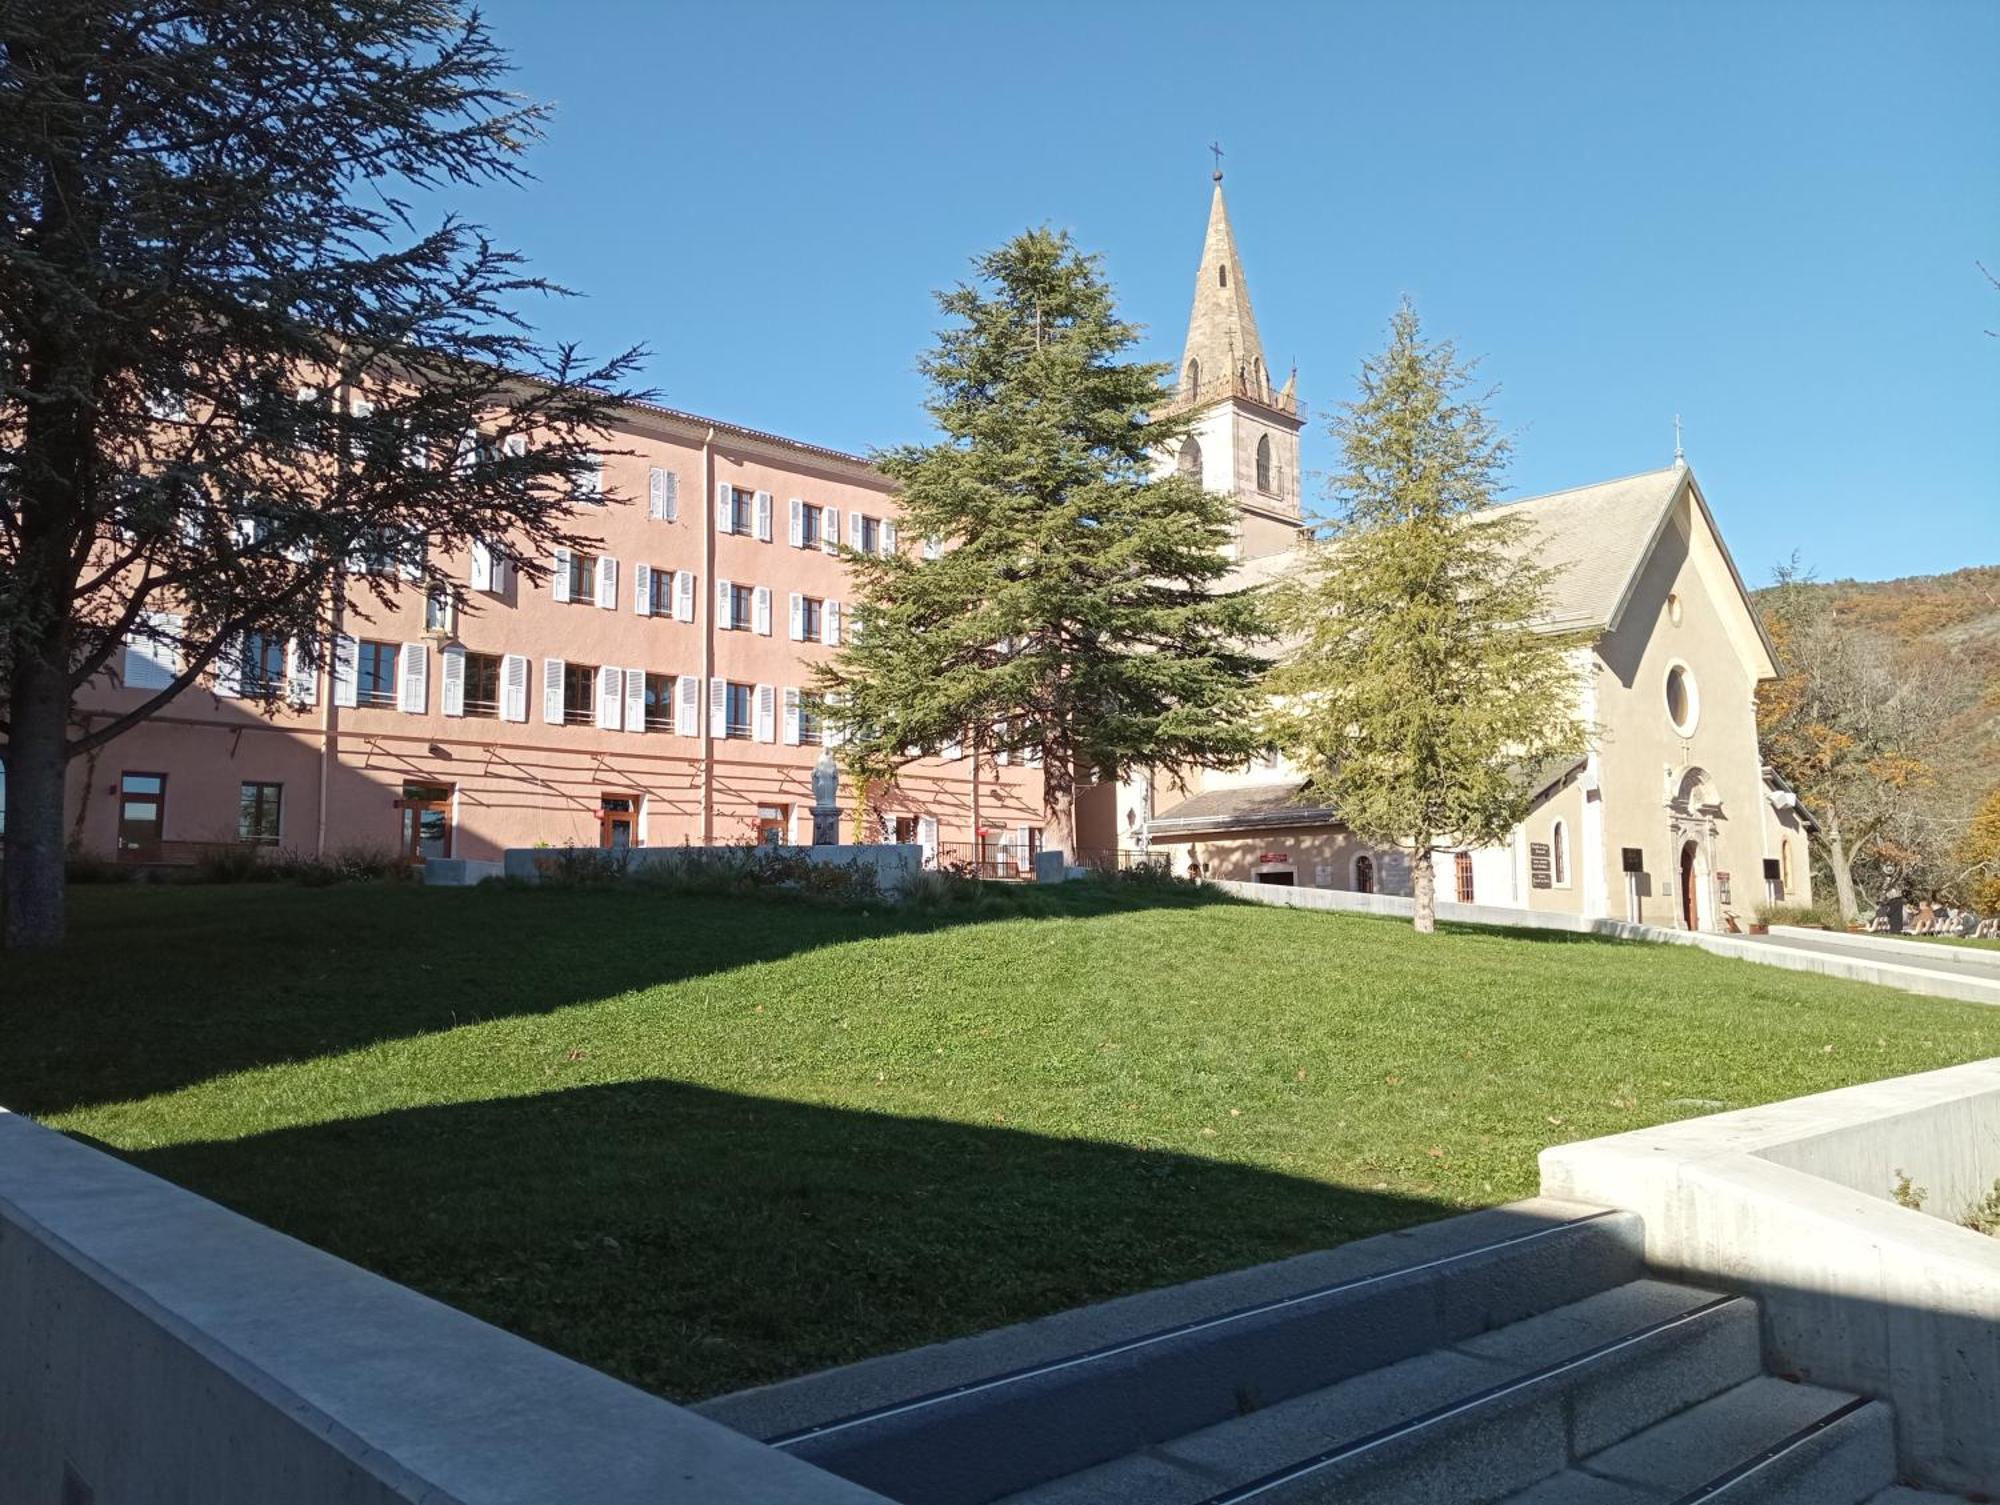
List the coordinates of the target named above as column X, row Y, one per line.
column 1670, row 816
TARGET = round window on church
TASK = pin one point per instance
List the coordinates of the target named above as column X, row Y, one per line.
column 1683, row 704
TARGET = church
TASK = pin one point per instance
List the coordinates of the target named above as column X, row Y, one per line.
column 1669, row 818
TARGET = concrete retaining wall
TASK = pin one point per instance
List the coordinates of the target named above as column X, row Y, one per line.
column 894, row 864
column 1793, row 1202
column 156, row 1349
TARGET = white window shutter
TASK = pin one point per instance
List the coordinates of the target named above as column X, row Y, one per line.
column 1032, row 756
column 635, row 700
column 346, row 671
column 687, row 706
column 760, row 610
column 854, row 522
column 301, row 677
column 228, row 668
column 559, row 581
column 888, row 536
column 514, row 445
column 645, row 811
column 481, row 576
column 927, row 838
column 642, row 589
column 791, row 717
column 764, row 516
column 451, row 681
column 500, row 565
column 683, row 595
column 954, row 749
column 725, row 593
column 514, row 687
column 798, row 533
column 590, row 480
column 798, row 617
column 725, row 514
column 552, row 691
column 656, row 494
column 829, row 624
column 607, row 582
column 932, row 548
column 673, row 513
column 767, row 713
column 829, row 531
column 718, row 708
column 412, row 566
column 152, row 664
column 610, row 699
column 413, row 679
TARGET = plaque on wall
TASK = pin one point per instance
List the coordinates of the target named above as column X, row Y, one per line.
column 1541, row 868
column 1632, row 859
column 1772, row 872
column 1722, row 887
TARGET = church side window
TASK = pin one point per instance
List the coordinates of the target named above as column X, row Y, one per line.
column 1264, row 463
column 1189, row 460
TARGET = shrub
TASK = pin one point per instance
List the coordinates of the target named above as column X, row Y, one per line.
column 238, row 864
column 1799, row 914
column 80, row 866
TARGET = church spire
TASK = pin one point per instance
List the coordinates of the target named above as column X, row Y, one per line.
column 1223, row 353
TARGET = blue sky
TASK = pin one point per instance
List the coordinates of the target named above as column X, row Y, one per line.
column 1765, row 217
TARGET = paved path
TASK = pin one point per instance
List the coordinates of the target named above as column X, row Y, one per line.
column 1929, row 956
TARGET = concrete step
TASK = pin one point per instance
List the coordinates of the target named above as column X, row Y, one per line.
column 1902, row 1494
column 966, row 1424
column 1471, row 1421
column 1763, row 1442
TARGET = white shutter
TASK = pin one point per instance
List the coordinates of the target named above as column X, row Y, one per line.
column 451, row 681
column 552, row 691
column 413, row 679
column 888, row 536
column 346, row 671
column 854, row 522
column 514, row 445
column 767, row 713
column 150, row 664
column 927, row 838
column 798, row 533
column 725, row 591
column 301, row 677
column 1021, row 847
column 829, row 624
column 500, row 564
column 791, row 717
column 642, row 589
column 412, row 566
column 829, row 531
column 610, row 699
column 481, row 578
column 932, row 548
column 687, row 706
column 760, row 610
column 673, row 512
column 764, row 516
column 514, row 687
column 798, row 617
column 635, row 700
column 645, row 811
column 559, row 581
column 590, row 480
column 718, row 708
column 656, row 494
column 683, row 595
column 228, row 667
column 725, row 514
column 954, row 749
column 607, row 582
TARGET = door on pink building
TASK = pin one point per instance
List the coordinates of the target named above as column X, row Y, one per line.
column 142, row 816
column 426, row 822
column 617, row 819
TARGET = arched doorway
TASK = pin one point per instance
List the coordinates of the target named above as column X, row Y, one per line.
column 1694, row 886
column 1364, row 874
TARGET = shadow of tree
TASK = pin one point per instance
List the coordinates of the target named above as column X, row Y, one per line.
column 695, row 1242
column 162, row 986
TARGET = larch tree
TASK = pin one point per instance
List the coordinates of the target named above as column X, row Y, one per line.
column 1418, row 686
column 241, row 389
column 1052, row 595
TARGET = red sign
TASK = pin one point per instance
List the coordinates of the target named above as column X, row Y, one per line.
column 1274, row 857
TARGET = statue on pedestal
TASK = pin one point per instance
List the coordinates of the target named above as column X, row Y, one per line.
column 826, row 797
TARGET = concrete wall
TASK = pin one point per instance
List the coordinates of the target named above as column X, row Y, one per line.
column 156, row 1350
column 1792, row 1202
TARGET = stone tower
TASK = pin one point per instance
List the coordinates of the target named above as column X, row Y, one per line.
column 1246, row 432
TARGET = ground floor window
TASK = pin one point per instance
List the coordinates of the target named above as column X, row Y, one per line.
column 1461, row 863
column 773, row 822
column 1364, row 874
column 906, row 829
column 1279, row 877
column 257, row 813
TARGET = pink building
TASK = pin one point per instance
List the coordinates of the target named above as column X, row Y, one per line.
column 650, row 693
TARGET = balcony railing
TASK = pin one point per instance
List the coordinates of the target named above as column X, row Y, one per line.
column 1239, row 385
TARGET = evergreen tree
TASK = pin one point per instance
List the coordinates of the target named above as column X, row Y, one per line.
column 1051, row 597
column 1417, row 689
column 209, row 266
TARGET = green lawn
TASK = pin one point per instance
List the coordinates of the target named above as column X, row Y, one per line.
column 706, row 1142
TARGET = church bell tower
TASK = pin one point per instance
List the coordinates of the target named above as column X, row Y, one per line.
column 1245, row 440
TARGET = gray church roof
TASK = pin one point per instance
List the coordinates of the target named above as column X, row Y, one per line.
column 1253, row 807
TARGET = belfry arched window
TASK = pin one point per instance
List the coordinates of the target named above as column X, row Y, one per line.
column 1193, row 375
column 1188, row 463
column 1264, row 463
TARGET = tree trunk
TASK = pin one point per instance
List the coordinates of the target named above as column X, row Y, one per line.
column 1423, row 887
column 1841, row 863
column 1062, row 817
column 31, row 873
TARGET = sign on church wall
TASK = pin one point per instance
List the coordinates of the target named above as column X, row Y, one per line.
column 1541, row 867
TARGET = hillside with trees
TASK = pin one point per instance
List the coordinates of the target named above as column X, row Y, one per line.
column 1940, row 637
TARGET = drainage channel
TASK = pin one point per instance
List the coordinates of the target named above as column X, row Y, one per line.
column 1185, row 1329
column 1305, row 1468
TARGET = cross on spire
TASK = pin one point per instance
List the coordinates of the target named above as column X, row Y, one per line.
column 1216, row 148
column 1680, row 455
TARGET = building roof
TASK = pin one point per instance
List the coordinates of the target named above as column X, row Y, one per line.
column 1253, row 807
